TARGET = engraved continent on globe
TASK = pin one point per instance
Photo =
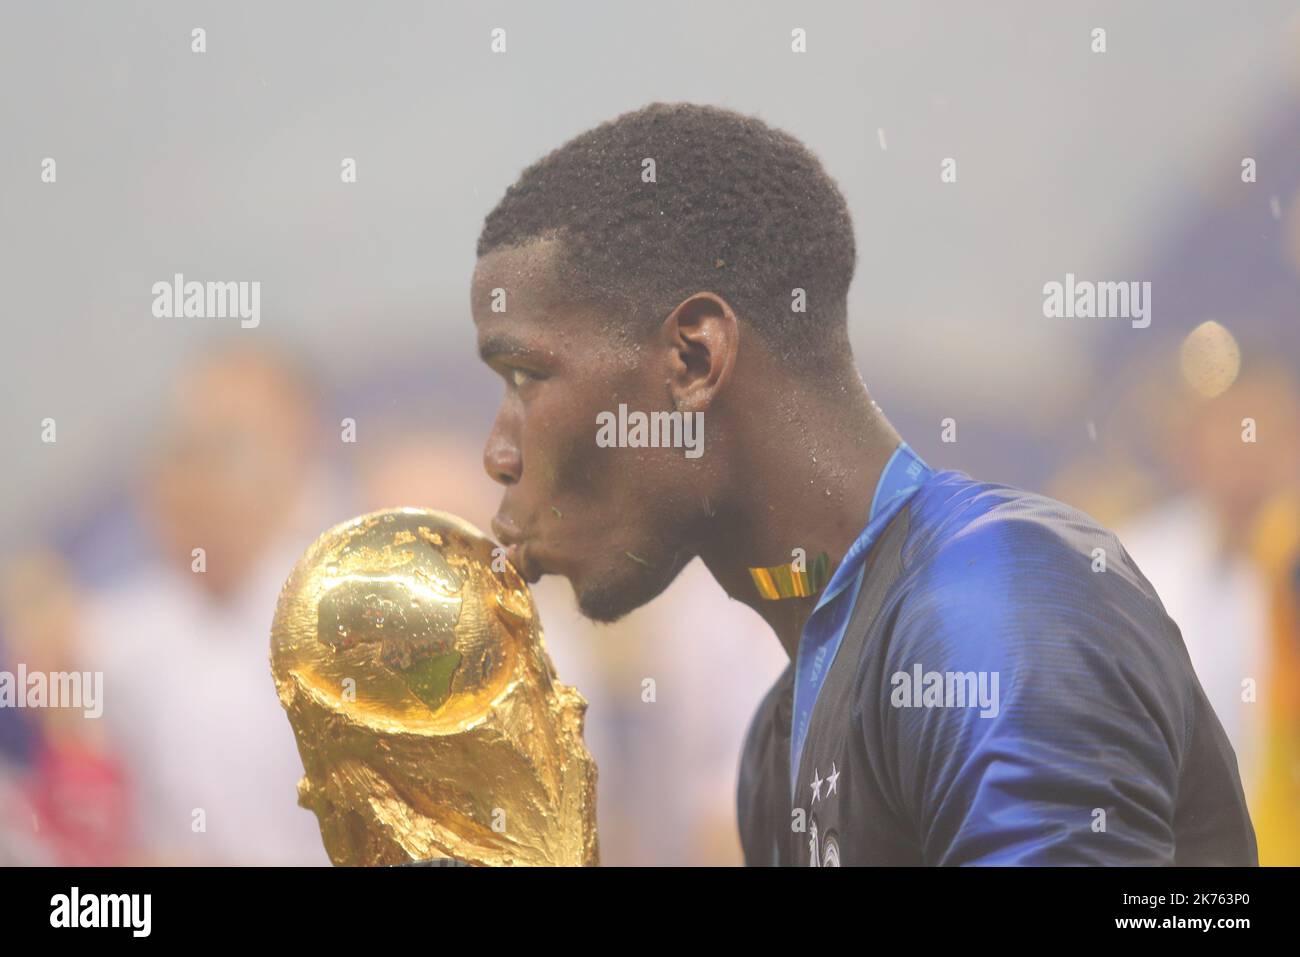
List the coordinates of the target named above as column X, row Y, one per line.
column 394, row 598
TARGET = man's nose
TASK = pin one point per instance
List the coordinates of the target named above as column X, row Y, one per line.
column 501, row 457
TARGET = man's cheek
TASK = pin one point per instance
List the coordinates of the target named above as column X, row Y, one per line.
column 573, row 467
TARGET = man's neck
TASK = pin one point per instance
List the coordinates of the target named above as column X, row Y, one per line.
column 812, row 491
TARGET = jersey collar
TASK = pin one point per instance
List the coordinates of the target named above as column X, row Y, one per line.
column 823, row 632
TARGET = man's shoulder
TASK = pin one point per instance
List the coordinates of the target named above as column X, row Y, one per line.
column 953, row 512
column 1001, row 566
column 982, row 535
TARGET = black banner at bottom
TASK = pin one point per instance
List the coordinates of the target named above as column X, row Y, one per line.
column 324, row 906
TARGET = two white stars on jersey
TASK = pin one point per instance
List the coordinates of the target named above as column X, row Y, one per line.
column 831, row 782
column 830, row 853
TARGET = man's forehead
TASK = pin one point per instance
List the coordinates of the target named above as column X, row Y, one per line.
column 517, row 300
column 527, row 270
column 521, row 305
column 513, row 295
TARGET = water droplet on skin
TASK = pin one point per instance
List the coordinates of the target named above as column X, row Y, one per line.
column 331, row 569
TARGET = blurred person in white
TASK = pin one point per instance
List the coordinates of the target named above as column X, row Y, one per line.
column 183, row 640
column 666, row 754
column 1224, row 555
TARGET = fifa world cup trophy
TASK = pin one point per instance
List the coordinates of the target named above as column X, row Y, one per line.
column 409, row 658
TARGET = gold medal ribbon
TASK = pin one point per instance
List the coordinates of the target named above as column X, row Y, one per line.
column 784, row 581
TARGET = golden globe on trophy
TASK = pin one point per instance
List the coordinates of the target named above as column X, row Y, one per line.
column 408, row 655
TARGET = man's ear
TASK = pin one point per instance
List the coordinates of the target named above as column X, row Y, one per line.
column 703, row 339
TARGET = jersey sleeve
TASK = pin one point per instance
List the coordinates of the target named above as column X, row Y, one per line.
column 1071, row 751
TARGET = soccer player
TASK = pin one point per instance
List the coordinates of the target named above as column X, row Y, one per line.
column 979, row 675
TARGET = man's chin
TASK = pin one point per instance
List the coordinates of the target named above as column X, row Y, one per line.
column 602, row 614
column 606, row 601
column 603, row 605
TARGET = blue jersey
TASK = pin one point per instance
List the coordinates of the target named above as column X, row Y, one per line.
column 1004, row 687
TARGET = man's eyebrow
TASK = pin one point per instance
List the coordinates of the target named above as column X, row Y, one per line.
column 494, row 346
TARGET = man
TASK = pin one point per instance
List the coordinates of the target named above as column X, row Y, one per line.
column 985, row 677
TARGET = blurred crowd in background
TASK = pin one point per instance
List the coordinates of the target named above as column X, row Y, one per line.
column 193, row 761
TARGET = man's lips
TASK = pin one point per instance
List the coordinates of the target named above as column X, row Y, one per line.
column 516, row 549
column 517, row 555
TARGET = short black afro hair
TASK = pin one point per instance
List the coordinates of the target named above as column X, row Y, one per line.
column 738, row 208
